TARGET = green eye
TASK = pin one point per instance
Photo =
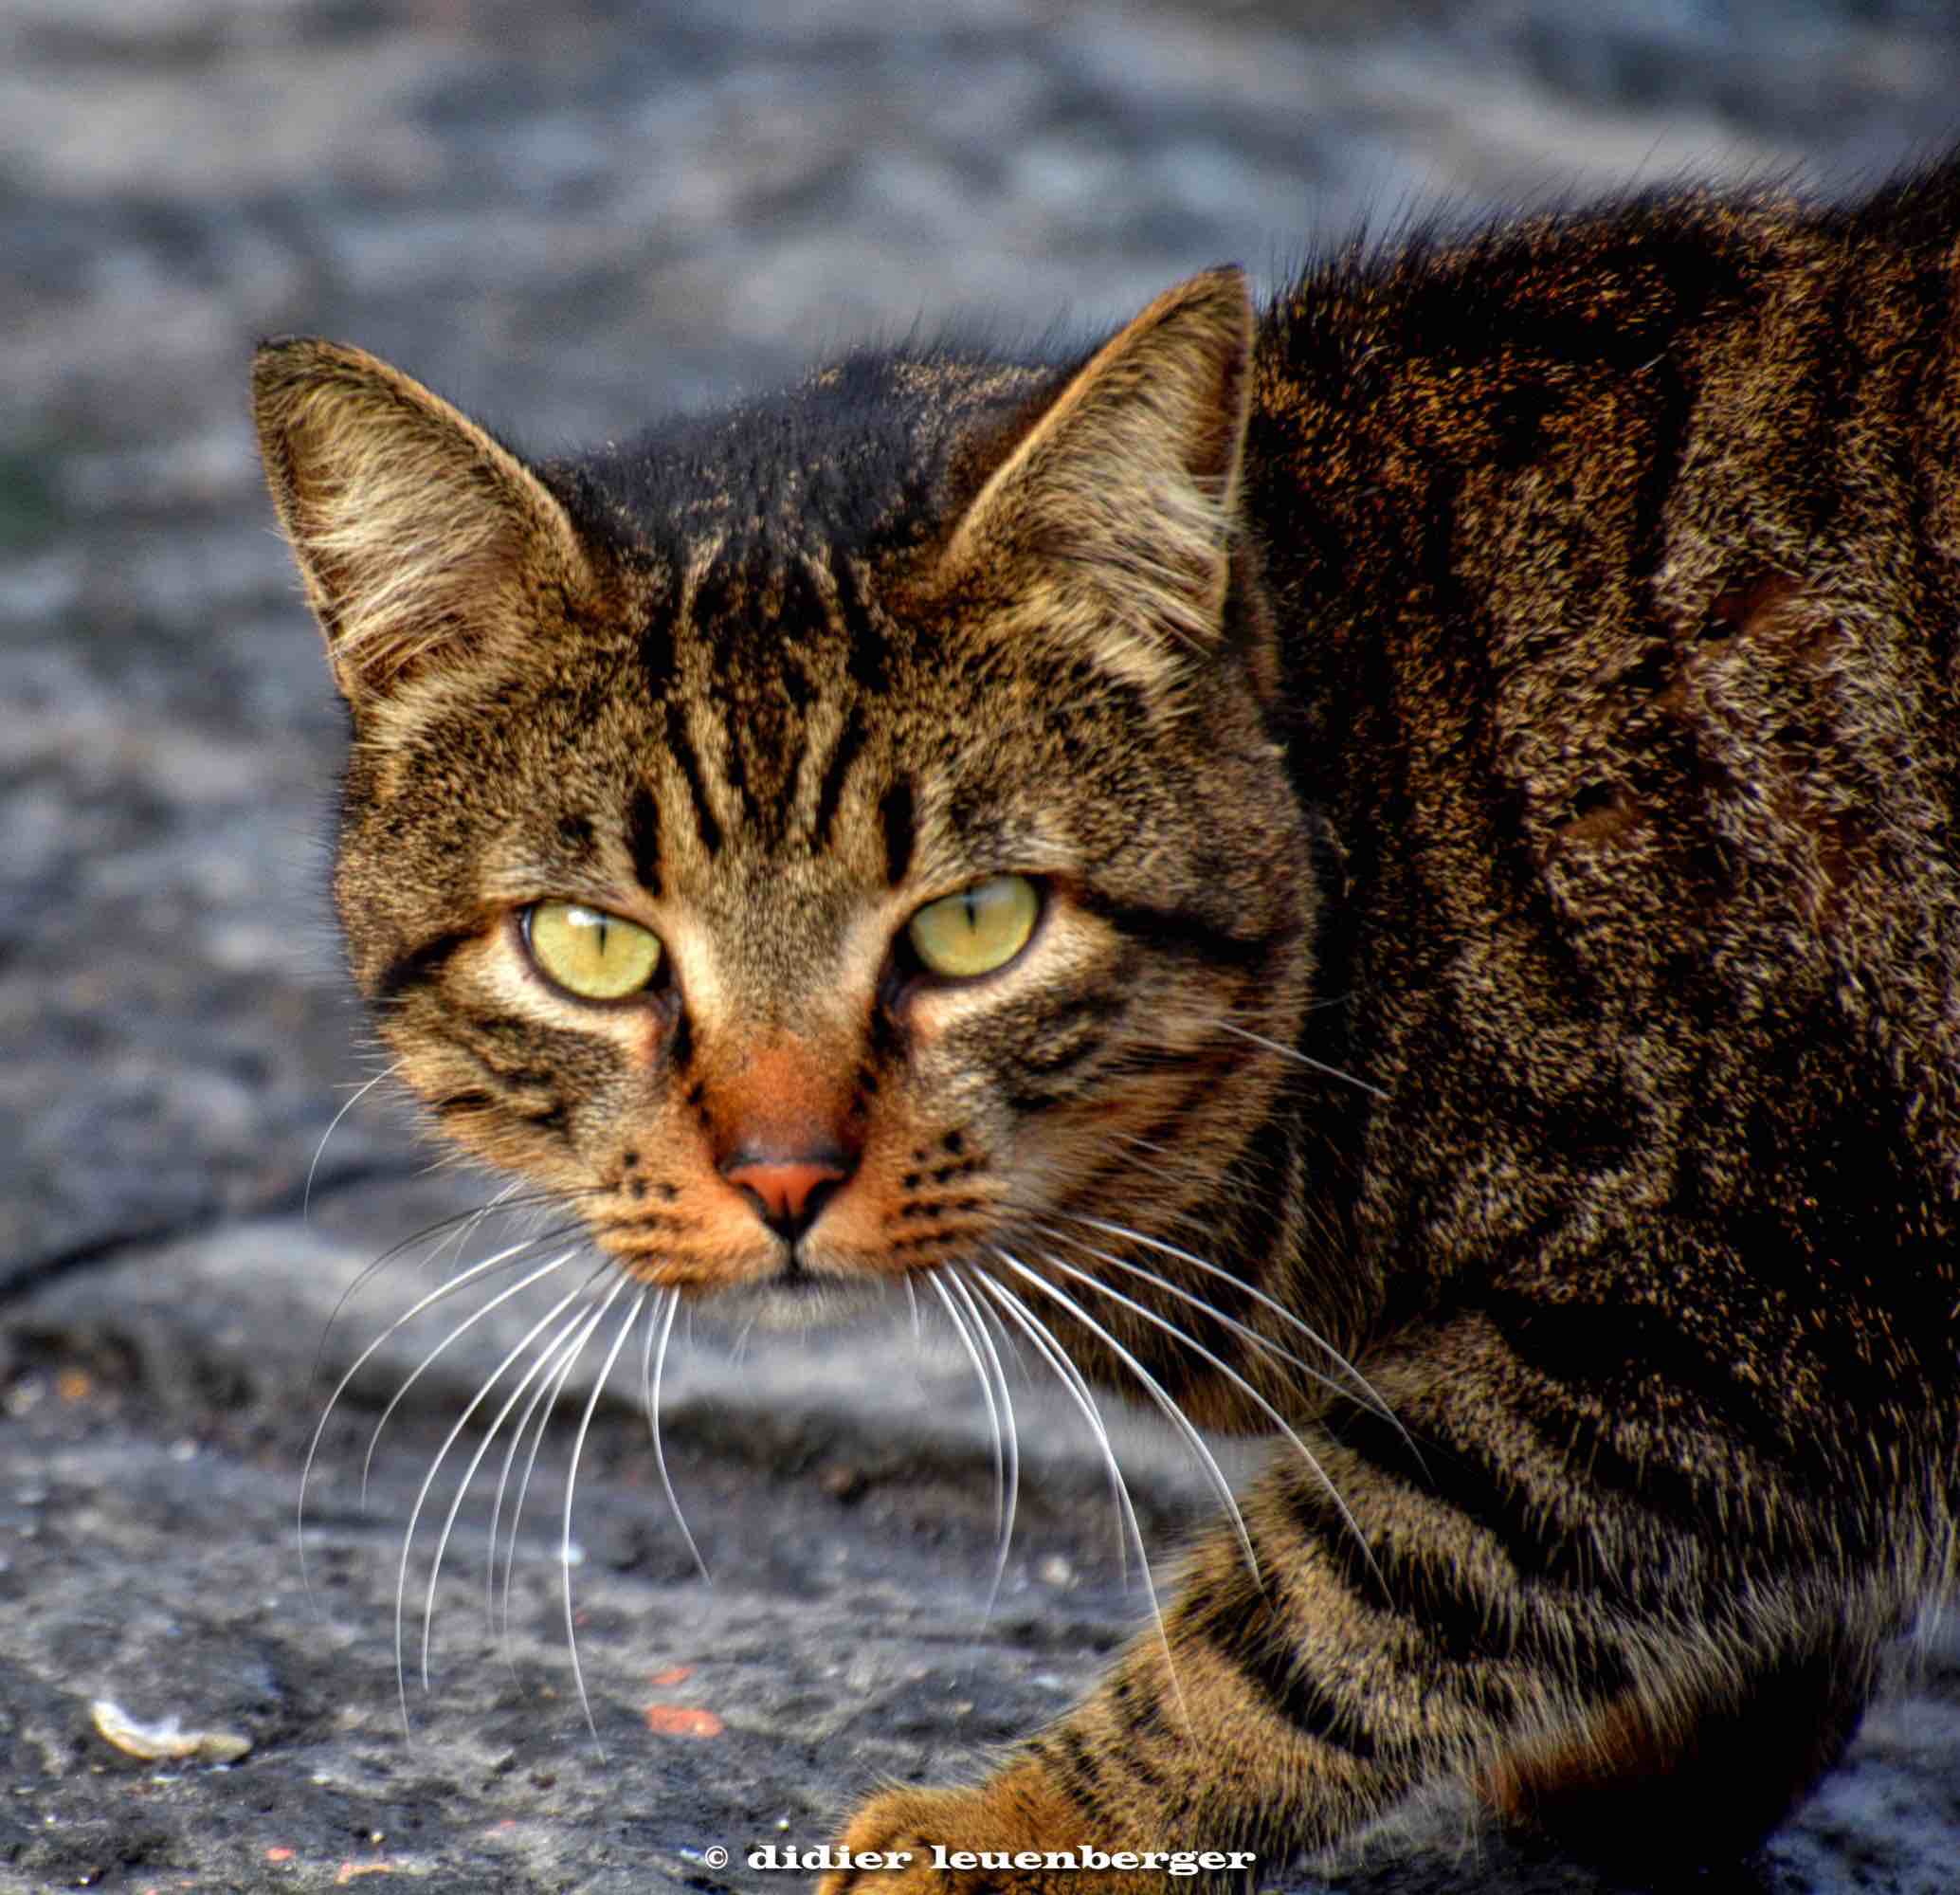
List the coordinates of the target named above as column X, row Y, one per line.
column 977, row 930
column 590, row 953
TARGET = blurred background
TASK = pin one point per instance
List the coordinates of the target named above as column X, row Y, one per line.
column 569, row 218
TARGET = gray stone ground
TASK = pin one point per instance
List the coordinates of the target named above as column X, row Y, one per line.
column 570, row 217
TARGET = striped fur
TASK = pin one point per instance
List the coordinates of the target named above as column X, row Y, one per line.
column 1486, row 737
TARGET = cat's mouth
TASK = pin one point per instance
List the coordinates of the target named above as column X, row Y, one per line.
column 793, row 1298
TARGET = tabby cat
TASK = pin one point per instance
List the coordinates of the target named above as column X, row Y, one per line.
column 1413, row 828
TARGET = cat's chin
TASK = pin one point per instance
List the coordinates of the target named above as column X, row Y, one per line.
column 800, row 1302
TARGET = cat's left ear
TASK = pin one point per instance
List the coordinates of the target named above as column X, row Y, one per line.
column 427, row 546
column 1114, row 514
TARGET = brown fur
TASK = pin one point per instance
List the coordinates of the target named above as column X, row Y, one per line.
column 1540, row 648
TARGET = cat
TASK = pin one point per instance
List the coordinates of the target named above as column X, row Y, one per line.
column 1380, row 869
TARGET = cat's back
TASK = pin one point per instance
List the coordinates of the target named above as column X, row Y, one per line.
column 1618, row 558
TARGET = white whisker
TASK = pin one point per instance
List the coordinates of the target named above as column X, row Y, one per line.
column 1304, row 1059
column 1265, row 1343
column 1151, row 1387
column 1000, row 1331
column 1368, row 1395
column 993, row 1413
column 972, row 1333
column 469, row 1473
column 422, row 1494
column 1224, row 1369
column 319, row 1151
column 455, row 1335
column 467, row 1221
column 1186, row 1176
column 1079, row 1392
column 500, row 1261
column 652, row 1368
column 1013, row 1432
column 578, row 1444
column 560, row 1375
column 553, row 1356
column 507, row 1202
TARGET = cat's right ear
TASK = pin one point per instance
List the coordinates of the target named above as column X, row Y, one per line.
column 425, row 543
column 1113, row 518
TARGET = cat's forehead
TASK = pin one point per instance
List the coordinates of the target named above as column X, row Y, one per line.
column 855, row 457
column 779, row 726
column 773, row 739
column 777, row 672
column 760, row 619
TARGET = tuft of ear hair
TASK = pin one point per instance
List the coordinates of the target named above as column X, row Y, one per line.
column 1119, row 504
column 422, row 539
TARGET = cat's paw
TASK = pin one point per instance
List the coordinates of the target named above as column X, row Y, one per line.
column 964, row 1842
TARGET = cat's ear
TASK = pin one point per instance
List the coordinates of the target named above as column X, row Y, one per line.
column 1115, row 512
column 423, row 541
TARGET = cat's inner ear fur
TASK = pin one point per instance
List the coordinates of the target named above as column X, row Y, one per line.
column 1113, row 516
column 425, row 543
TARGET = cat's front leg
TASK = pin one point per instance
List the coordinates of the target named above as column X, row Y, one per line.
column 1217, row 1745
column 1502, row 1595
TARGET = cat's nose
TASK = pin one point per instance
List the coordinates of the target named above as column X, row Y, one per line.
column 788, row 1193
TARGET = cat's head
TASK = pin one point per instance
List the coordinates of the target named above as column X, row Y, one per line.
column 834, row 838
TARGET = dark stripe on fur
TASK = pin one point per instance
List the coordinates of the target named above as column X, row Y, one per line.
column 896, row 814
column 1028, row 1102
column 1062, row 1775
column 734, row 766
column 869, row 658
column 463, row 1102
column 514, row 1037
column 850, row 742
column 1141, row 1720
column 1632, row 1370
column 1467, row 1625
column 1053, row 1059
column 1247, row 1628
column 1085, row 1783
column 1456, row 1474
column 683, row 754
column 1129, row 1753
column 1176, row 931
column 644, row 839
column 419, row 965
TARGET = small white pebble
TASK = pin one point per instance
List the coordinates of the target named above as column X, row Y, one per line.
column 165, row 1739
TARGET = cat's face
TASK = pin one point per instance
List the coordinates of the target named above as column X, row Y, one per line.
column 813, row 905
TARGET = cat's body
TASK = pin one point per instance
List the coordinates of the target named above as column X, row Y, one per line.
column 1520, row 676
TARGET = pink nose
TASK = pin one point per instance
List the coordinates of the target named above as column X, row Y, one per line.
column 789, row 1192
